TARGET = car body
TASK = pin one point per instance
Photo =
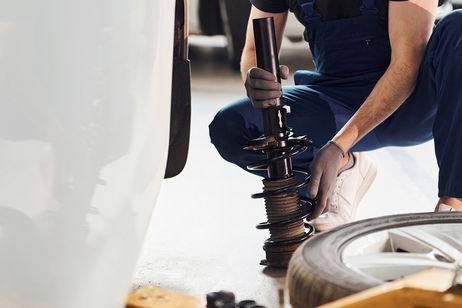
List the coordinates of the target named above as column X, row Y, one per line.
column 85, row 98
column 457, row 4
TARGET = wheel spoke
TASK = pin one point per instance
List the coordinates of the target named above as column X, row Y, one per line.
column 426, row 240
column 390, row 266
column 395, row 253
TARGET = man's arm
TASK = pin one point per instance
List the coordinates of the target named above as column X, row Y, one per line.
column 248, row 54
column 410, row 26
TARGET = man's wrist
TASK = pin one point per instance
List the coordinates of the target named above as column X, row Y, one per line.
column 342, row 143
column 338, row 147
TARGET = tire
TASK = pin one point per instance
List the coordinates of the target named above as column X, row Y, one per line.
column 210, row 21
column 235, row 15
column 316, row 274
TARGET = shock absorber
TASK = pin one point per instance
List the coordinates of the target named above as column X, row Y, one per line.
column 286, row 209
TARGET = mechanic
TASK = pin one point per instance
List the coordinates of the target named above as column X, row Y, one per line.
column 385, row 76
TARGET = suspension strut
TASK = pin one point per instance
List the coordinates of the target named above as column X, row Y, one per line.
column 286, row 209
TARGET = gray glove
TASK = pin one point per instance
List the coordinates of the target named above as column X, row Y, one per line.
column 324, row 170
column 262, row 87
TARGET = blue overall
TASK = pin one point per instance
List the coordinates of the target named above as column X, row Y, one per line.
column 351, row 55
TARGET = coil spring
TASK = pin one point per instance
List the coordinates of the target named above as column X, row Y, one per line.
column 294, row 146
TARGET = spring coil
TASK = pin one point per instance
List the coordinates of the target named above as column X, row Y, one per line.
column 293, row 146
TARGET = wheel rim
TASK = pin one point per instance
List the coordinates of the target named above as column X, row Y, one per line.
column 394, row 253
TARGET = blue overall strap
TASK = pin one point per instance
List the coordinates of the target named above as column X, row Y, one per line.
column 308, row 9
column 369, row 8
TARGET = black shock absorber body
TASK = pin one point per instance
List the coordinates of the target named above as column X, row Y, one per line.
column 285, row 208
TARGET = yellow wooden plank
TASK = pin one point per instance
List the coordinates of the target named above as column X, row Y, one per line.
column 426, row 289
column 153, row 297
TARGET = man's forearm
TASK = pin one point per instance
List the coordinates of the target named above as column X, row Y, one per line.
column 408, row 45
column 390, row 92
column 247, row 61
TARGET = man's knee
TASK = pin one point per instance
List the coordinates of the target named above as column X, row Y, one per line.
column 452, row 23
column 216, row 129
column 223, row 132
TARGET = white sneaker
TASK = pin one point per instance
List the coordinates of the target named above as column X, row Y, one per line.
column 444, row 208
column 350, row 188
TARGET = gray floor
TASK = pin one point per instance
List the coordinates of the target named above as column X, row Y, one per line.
column 202, row 236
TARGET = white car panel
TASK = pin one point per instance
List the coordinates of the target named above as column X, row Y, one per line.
column 193, row 17
column 84, row 124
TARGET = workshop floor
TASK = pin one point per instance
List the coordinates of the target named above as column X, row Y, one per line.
column 203, row 237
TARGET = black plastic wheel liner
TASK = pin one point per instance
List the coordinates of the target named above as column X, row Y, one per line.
column 180, row 115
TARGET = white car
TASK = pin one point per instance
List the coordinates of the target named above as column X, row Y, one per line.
column 85, row 96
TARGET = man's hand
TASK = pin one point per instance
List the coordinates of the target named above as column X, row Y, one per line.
column 262, row 87
column 324, row 170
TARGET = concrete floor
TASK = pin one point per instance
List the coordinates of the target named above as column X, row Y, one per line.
column 203, row 238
